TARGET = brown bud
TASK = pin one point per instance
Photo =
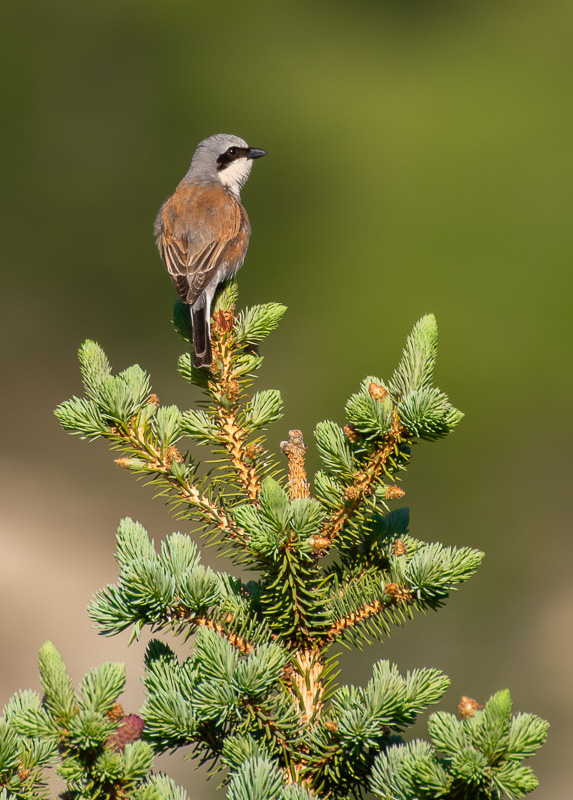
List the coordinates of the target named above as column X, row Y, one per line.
column 319, row 542
column 231, row 390
column 377, row 392
column 468, row 707
column 287, row 672
column 129, row 731
column 173, row 454
column 399, row 548
column 218, row 321
column 351, row 433
column 124, row 463
column 179, row 611
column 331, row 726
column 23, row 773
column 153, row 399
column 253, row 451
column 351, row 492
column 394, row 492
column 223, row 320
column 116, row 712
column 400, row 594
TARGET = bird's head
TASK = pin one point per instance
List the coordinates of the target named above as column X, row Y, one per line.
column 224, row 158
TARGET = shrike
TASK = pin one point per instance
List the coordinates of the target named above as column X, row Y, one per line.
column 202, row 231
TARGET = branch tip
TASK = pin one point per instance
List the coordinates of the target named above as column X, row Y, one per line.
column 295, row 449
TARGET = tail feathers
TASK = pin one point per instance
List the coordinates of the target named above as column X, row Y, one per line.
column 202, row 353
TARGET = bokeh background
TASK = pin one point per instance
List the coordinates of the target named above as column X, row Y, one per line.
column 420, row 160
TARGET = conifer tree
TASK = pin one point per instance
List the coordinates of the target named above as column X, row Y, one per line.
column 257, row 693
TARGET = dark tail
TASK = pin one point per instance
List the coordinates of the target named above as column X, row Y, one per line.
column 202, row 353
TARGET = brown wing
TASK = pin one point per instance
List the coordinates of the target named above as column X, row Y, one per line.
column 201, row 230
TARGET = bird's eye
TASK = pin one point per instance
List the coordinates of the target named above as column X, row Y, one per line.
column 232, row 151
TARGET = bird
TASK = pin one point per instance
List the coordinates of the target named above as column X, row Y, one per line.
column 202, row 230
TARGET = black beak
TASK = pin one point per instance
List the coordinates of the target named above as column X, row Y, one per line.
column 256, row 152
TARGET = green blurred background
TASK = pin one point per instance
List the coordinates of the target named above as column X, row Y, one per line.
column 420, row 160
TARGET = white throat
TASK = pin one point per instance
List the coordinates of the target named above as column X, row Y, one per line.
column 235, row 175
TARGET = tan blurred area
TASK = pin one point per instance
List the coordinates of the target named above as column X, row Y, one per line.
column 421, row 160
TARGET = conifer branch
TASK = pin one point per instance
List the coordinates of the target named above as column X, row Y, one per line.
column 224, row 387
column 161, row 463
column 363, row 481
column 307, row 683
column 240, row 643
column 369, row 609
column 294, row 592
column 295, row 450
column 355, row 618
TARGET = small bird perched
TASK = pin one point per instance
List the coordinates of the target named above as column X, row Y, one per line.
column 202, row 231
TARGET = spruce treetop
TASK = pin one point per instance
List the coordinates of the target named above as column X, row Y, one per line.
column 328, row 562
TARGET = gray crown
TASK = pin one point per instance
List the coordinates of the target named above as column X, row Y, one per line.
column 204, row 162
